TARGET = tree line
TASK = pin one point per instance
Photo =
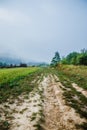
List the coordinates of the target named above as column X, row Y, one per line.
column 4, row 65
column 73, row 58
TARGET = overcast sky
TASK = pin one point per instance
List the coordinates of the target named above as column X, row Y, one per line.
column 35, row 29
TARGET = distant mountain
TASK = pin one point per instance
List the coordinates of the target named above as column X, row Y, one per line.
column 10, row 60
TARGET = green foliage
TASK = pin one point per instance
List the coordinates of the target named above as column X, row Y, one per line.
column 64, row 61
column 10, row 81
column 4, row 125
column 77, row 74
column 76, row 58
column 56, row 59
column 71, row 58
column 11, row 76
column 82, row 59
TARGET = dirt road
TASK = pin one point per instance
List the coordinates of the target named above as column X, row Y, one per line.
column 42, row 109
column 58, row 116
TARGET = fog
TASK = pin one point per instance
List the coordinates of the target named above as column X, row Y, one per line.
column 35, row 29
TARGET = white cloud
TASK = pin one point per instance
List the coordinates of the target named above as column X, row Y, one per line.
column 13, row 17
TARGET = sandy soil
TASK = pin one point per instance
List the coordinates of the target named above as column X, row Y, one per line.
column 79, row 89
column 58, row 116
column 23, row 113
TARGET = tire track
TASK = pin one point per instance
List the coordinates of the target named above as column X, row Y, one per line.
column 58, row 116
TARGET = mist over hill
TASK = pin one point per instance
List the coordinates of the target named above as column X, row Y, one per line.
column 16, row 61
column 9, row 60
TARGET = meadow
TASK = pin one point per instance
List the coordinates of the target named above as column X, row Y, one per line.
column 8, row 76
column 77, row 74
column 69, row 74
column 19, row 84
column 10, row 81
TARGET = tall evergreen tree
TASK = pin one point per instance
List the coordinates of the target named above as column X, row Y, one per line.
column 56, row 59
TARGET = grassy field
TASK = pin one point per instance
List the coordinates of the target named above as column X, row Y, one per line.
column 77, row 74
column 11, row 81
column 8, row 76
column 17, row 81
column 14, row 83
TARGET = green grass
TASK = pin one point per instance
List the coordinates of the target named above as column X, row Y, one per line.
column 11, row 76
column 23, row 85
column 68, row 74
column 4, row 125
column 75, row 99
column 77, row 74
column 16, row 81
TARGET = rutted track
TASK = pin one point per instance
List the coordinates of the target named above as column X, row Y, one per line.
column 58, row 116
column 44, row 108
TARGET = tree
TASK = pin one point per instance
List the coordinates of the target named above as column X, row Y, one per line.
column 82, row 59
column 76, row 58
column 56, row 59
column 64, row 61
column 23, row 65
column 72, row 58
column 1, row 64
